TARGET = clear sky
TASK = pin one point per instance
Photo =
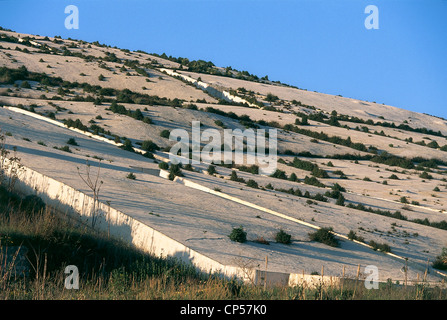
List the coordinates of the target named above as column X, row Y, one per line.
column 313, row 44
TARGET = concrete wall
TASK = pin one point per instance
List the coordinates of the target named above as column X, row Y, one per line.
column 225, row 95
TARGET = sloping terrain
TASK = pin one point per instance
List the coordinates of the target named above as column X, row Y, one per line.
column 357, row 167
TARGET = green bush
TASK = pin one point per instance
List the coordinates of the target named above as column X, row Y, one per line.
column 283, row 237
column 211, row 169
column 441, row 261
column 340, row 200
column 175, row 171
column 165, row 134
column 425, row 175
column 64, row 148
column 149, row 145
column 163, row 166
column 127, row 145
column 293, row 177
column 325, row 235
column 252, row 184
column 234, row 177
column 380, row 246
column 25, row 84
column 131, row 176
column 279, row 174
column 238, row 235
column 72, row 142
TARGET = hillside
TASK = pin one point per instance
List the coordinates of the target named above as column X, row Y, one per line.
column 354, row 166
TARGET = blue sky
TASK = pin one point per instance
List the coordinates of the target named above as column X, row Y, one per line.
column 313, row 44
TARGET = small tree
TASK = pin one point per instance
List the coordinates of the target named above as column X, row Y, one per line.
column 252, row 184
column 165, row 134
column 211, row 169
column 127, row 145
column 163, row 166
column 341, row 200
column 95, row 185
column 149, row 145
column 293, row 177
column 238, row 235
column 101, row 77
column 72, row 142
column 25, row 84
column 326, row 236
column 175, row 171
column 441, row 261
column 283, row 237
column 271, row 97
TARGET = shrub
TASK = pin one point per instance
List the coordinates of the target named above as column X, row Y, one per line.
column 340, row 201
column 319, row 173
column 147, row 120
column 441, row 260
column 234, row 177
column 131, row 176
column 394, row 177
column 165, row 134
column 219, row 123
column 33, row 205
column 163, row 166
column 380, row 246
column 279, row 174
column 325, row 235
column 25, row 84
column 252, row 184
column 314, row 182
column 254, row 169
column 149, row 145
column 352, row 235
column 293, row 177
column 271, row 97
column 283, row 237
column 72, row 142
column 175, row 171
column 127, row 145
column 262, row 240
column 211, row 169
column 101, row 77
column 425, row 175
column 403, row 200
column 337, row 187
column 238, row 235
column 64, row 148
column 269, row 186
